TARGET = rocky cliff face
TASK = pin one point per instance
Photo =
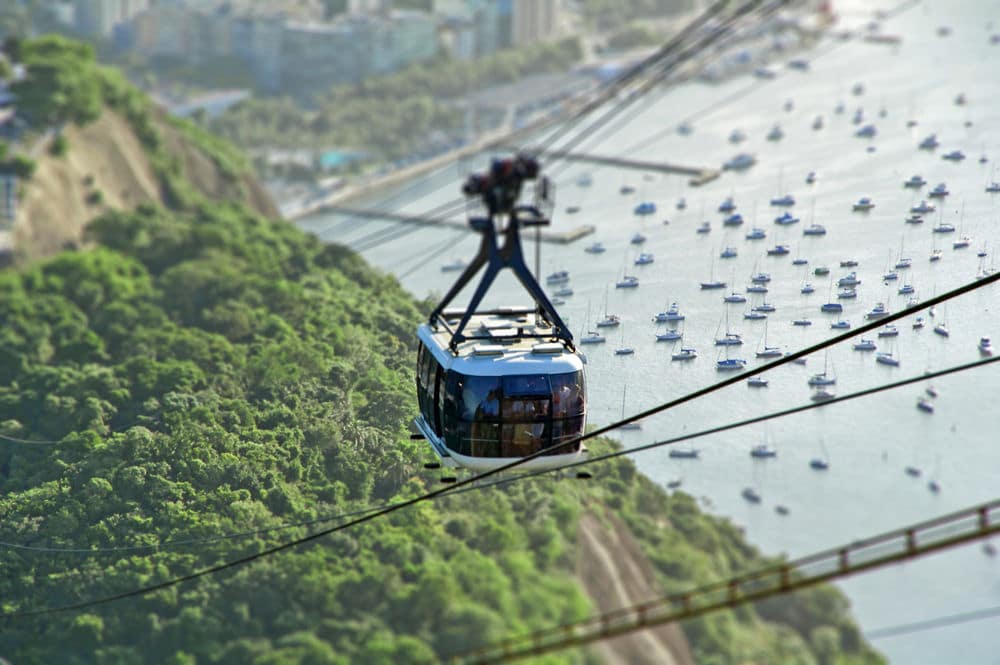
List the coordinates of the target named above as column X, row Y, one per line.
column 107, row 167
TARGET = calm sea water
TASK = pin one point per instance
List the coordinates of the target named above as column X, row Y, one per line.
column 868, row 442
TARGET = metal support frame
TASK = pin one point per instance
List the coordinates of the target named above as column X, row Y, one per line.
column 499, row 200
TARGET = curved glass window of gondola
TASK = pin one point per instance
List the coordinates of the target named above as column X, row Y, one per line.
column 512, row 416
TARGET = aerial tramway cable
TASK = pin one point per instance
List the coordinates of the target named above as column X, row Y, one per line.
column 867, row 392
column 471, row 481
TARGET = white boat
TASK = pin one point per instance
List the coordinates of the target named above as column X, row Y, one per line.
column 753, row 315
column 624, row 351
column 638, row 239
column 847, row 293
column 457, row 264
column 929, row 143
column 905, row 289
column 756, row 288
column 673, row 313
column 609, row 321
column 925, row 405
column 727, row 205
column 593, row 337
column 730, row 364
column 786, row 218
column 923, row 208
column 944, row 227
column 754, row 234
column 942, row 329
column 728, row 253
column 886, row 358
column 864, row 345
column 763, row 451
column 821, row 395
column 878, row 312
column 778, row 250
column 824, row 378
column 866, row 132
column 757, row 382
column 704, row 228
column 954, row 156
column 862, row 204
column 671, row 335
column 558, row 277
column 985, row 346
column 760, row 278
column 595, row 248
column 918, row 323
column 627, row 282
column 939, row 192
column 563, row 292
column 889, row 330
column 735, row 297
column 841, row 325
column 764, row 307
column 807, row 287
column 814, row 230
column 890, row 276
column 729, row 339
column 768, row 351
column 684, row 354
column 914, row 219
column 644, row 259
column 961, row 243
column 739, row 162
column 993, row 188
column 914, row 182
column 785, row 200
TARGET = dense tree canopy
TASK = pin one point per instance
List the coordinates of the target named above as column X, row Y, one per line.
column 202, row 383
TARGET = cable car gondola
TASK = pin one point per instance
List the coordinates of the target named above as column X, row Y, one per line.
column 496, row 386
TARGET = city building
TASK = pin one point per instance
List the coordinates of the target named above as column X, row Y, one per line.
column 534, row 21
column 98, row 18
column 316, row 56
column 401, row 38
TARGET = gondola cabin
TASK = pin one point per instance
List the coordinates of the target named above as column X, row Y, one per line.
column 502, row 396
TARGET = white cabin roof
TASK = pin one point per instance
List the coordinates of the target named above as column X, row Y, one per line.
column 503, row 352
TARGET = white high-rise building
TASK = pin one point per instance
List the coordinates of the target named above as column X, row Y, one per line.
column 534, row 21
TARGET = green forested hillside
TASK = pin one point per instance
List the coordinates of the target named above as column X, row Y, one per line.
column 210, row 372
column 202, row 383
